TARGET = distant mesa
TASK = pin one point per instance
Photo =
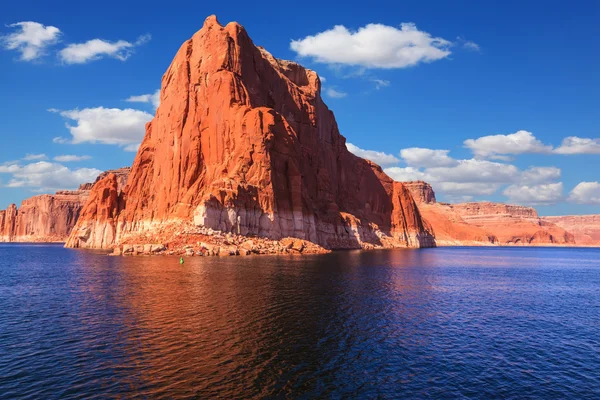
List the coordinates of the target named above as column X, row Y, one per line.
column 486, row 223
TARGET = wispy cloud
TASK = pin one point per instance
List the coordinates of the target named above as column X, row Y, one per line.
column 380, row 83
column 153, row 98
column 95, row 49
column 335, row 94
column 31, row 39
column 30, row 157
column 71, row 158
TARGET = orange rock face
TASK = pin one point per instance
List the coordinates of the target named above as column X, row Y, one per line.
column 8, row 220
column 242, row 142
column 513, row 224
column 585, row 228
column 50, row 218
column 421, row 191
column 486, row 223
column 43, row 218
column 98, row 220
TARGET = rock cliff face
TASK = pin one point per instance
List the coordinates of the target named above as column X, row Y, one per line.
column 242, row 142
column 43, row 218
column 50, row 217
column 8, row 220
column 585, row 228
column 421, row 191
column 513, row 224
column 483, row 211
column 486, row 223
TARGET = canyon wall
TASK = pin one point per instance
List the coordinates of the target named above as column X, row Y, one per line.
column 42, row 218
column 585, row 228
column 242, row 142
column 486, row 223
column 50, row 217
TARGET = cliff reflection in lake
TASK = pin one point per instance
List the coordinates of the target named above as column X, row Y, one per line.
column 411, row 323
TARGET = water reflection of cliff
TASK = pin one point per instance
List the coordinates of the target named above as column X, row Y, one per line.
column 257, row 325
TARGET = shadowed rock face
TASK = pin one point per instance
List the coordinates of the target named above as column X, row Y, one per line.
column 242, row 142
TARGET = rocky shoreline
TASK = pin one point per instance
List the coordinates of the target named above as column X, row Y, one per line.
column 206, row 242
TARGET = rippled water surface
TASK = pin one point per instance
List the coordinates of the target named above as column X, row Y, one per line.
column 453, row 323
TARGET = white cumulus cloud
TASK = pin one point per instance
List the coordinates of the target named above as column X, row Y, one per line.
column 421, row 157
column 45, row 176
column 153, row 98
column 30, row 39
column 378, row 157
column 473, row 170
column 577, row 145
column 406, row 174
column 538, row 175
column 467, row 189
column 535, row 194
column 373, row 46
column 586, row 193
column 519, row 142
column 95, row 49
column 461, row 179
column 106, row 125
column 71, row 158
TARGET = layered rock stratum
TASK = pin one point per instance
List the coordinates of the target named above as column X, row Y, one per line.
column 486, row 223
column 242, row 143
column 585, row 228
column 42, row 218
column 49, row 217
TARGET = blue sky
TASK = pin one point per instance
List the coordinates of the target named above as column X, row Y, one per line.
column 495, row 100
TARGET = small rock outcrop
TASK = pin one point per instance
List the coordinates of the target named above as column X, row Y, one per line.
column 421, row 191
column 242, row 143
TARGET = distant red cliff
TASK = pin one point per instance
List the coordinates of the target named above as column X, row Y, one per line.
column 47, row 217
column 487, row 223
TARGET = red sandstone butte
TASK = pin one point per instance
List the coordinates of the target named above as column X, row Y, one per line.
column 242, row 142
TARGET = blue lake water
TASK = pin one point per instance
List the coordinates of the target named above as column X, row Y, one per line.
column 434, row 323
